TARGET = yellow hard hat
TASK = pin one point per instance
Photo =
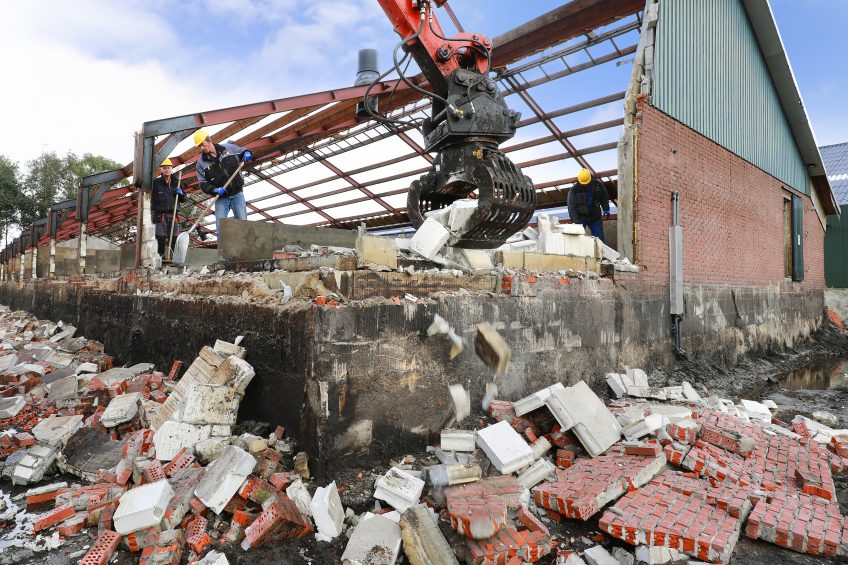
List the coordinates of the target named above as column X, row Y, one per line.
column 583, row 177
column 200, row 136
column 167, row 163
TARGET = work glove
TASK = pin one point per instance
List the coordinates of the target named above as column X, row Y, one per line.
column 246, row 156
column 180, row 191
column 220, row 191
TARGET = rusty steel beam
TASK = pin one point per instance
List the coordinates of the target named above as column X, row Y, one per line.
column 558, row 25
column 306, row 203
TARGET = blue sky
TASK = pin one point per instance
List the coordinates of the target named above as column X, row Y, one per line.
column 91, row 72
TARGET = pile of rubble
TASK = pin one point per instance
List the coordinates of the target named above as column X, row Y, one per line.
column 152, row 467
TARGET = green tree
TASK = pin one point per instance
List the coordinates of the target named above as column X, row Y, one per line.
column 12, row 198
column 51, row 179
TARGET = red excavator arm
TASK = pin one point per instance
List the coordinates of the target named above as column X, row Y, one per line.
column 469, row 119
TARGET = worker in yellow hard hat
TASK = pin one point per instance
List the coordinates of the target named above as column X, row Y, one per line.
column 217, row 162
column 588, row 202
column 164, row 194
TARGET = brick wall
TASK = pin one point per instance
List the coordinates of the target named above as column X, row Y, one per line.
column 731, row 211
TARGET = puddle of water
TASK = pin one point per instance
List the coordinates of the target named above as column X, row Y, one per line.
column 822, row 375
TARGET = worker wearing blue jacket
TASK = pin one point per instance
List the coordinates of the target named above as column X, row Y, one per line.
column 587, row 201
column 217, row 162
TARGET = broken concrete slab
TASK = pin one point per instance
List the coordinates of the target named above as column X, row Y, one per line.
column 399, row 489
column 492, row 348
column 56, row 430
column 756, row 410
column 461, row 401
column 142, row 507
column 423, row 542
column 503, row 446
column 88, row 451
column 300, row 495
column 327, row 511
column 173, row 436
column 235, row 373
column 825, row 418
column 536, row 473
column 535, row 400
column 223, row 477
column 593, row 424
column 63, row 392
column 124, row 373
column 86, row 368
column 479, row 261
column 121, row 409
column 375, row 541
column 10, row 406
column 689, row 392
column 33, row 464
column 597, row 555
column 210, row 404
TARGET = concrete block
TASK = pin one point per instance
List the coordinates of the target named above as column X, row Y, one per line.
column 86, row 368
column 503, row 446
column 142, row 507
column 10, row 406
column 56, row 430
column 256, row 241
column 492, row 348
column 371, row 250
column 551, row 243
column 461, row 401
column 510, row 259
column 460, row 212
column 536, row 473
column 756, row 410
column 825, row 418
column 327, row 510
column 210, row 404
column 118, row 374
column 597, row 555
column 300, row 495
column 671, row 414
column 172, row 436
column 225, row 349
column 453, row 474
column 478, row 260
column 223, row 477
column 594, row 425
column 616, row 384
column 33, row 368
column 67, row 331
column 580, row 245
column 643, row 426
column 458, row 440
column 689, row 392
column 33, row 464
column 376, row 540
column 656, row 555
column 535, row 400
column 122, row 408
column 423, row 542
column 430, row 238
column 770, row 404
column 398, row 488
column 623, row 556
column 235, row 373
column 549, row 263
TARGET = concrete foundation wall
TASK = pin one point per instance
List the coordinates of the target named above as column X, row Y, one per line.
column 344, row 379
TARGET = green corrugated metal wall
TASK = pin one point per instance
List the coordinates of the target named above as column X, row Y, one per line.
column 710, row 75
column 836, row 250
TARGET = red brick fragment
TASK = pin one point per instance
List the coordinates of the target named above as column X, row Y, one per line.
column 53, row 517
column 102, row 550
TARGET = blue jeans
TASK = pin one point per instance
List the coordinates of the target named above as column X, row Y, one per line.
column 236, row 203
column 596, row 227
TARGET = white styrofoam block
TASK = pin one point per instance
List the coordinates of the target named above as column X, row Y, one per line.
column 399, row 488
column 458, row 440
column 594, row 425
column 460, row 212
column 375, row 541
column 503, row 446
column 172, row 436
column 327, row 510
column 210, row 404
column 142, row 507
column 430, row 238
column 223, row 477
column 757, row 410
column 121, row 409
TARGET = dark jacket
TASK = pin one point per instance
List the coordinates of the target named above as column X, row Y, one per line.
column 213, row 172
column 162, row 196
column 585, row 201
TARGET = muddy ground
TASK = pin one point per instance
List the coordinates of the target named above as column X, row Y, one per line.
column 811, row 377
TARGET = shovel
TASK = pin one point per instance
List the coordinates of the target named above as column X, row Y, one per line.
column 181, row 247
column 168, row 250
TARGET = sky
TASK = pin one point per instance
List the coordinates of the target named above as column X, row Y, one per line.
column 83, row 76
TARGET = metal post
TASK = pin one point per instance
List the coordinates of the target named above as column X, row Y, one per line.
column 675, row 262
column 82, row 247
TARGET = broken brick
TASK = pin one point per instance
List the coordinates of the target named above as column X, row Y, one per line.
column 102, row 550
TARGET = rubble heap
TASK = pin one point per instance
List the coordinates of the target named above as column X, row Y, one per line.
column 153, row 467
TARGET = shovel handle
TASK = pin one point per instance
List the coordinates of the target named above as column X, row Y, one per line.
column 214, row 200
column 168, row 252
